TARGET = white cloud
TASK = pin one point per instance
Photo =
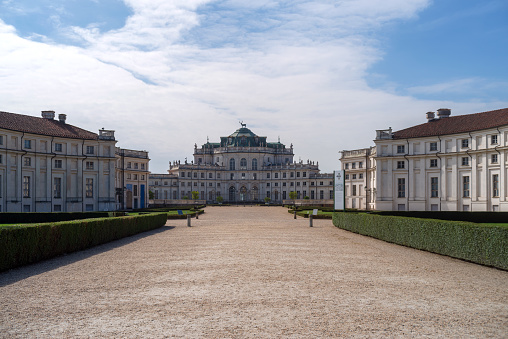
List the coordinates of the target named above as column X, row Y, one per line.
column 178, row 72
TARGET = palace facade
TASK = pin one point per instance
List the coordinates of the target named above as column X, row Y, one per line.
column 47, row 165
column 242, row 168
column 446, row 164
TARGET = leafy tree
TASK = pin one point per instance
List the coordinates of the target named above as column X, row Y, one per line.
column 219, row 199
column 150, row 195
column 185, row 197
column 306, row 197
column 267, row 199
column 292, row 195
column 195, row 195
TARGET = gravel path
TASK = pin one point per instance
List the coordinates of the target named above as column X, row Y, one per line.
column 253, row 272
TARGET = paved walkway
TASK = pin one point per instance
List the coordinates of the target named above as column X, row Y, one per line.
column 253, row 272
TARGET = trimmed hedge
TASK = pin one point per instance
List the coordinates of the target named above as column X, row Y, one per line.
column 486, row 245
column 478, row 217
column 42, row 217
column 21, row 245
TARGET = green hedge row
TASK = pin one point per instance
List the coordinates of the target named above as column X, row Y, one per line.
column 40, row 217
column 184, row 216
column 487, row 245
column 21, row 245
column 478, row 217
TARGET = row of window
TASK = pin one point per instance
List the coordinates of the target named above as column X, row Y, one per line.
column 464, row 144
column 254, row 194
column 57, row 187
column 268, row 175
column 135, row 177
column 135, row 165
column 353, row 165
column 434, row 187
column 464, row 161
column 354, row 176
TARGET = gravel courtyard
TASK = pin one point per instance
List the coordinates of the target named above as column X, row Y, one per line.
column 253, row 272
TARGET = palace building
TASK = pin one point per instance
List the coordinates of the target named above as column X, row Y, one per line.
column 242, row 168
column 449, row 163
column 47, row 165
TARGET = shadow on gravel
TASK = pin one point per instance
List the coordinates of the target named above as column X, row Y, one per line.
column 20, row 273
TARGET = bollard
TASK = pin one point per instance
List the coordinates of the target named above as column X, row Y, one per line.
column 188, row 220
column 310, row 220
column 295, row 213
column 197, row 215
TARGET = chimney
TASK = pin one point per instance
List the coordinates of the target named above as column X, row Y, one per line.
column 430, row 116
column 48, row 114
column 444, row 113
column 62, row 117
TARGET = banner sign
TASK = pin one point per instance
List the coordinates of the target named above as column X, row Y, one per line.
column 338, row 196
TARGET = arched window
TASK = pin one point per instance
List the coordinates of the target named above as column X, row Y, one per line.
column 232, row 193
column 254, row 164
column 254, row 194
column 243, row 193
column 232, row 164
column 243, row 163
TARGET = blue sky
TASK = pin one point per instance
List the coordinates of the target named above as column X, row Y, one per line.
column 323, row 75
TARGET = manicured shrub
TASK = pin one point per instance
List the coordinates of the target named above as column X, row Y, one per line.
column 21, row 245
column 42, row 217
column 482, row 244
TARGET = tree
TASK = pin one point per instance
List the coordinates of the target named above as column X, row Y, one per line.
column 267, row 200
column 306, row 197
column 292, row 195
column 195, row 195
column 150, row 195
column 219, row 199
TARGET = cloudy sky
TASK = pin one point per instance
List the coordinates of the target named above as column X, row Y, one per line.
column 323, row 75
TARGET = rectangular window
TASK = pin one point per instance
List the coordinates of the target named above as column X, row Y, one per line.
column 26, row 187
column 135, row 177
column 346, row 166
column 465, row 161
column 354, row 191
column 400, row 164
column 433, row 146
column 298, row 183
column 305, row 174
column 58, row 147
column 353, row 165
column 495, row 185
column 0, row 189
column 465, row 143
column 218, row 175
column 89, row 207
column 231, row 176
column 346, row 177
column 354, row 176
column 267, row 184
column 58, row 163
column 189, row 175
column 135, row 165
column 434, row 187
column 142, row 166
column 267, row 175
column 57, row 187
column 284, row 175
column 401, row 187
column 276, row 175
column 305, row 183
column 28, row 144
column 321, row 194
column 27, row 161
column 292, row 184
column 400, row 148
column 89, row 188
column 142, row 177
column 89, row 165
column 254, row 176
column 129, row 165
column 321, row 183
column 209, row 175
column 195, row 175
column 465, row 186
column 331, row 194
column 0, row 158
column 292, row 174
column 494, row 158
column 57, row 208
column 284, row 184
column 202, row 175
column 360, row 176
column 297, row 174
column 433, row 162
column 1, row 139
column 182, row 174
column 26, row 208
column 90, row 150
column 135, row 190
column 360, row 164
column 493, row 139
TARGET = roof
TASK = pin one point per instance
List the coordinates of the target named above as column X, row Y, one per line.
column 456, row 124
column 243, row 132
column 42, row 126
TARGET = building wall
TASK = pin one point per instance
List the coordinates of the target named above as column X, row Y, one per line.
column 442, row 173
column 360, row 173
column 132, row 171
column 40, row 173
